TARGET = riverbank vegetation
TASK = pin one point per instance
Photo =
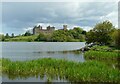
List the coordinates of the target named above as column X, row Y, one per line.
column 73, row 35
column 101, row 55
column 104, row 33
column 102, row 59
column 105, row 54
column 89, row 71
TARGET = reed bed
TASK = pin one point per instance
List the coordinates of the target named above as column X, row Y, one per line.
column 100, row 55
column 90, row 71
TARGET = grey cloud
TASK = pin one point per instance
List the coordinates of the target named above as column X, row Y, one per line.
column 26, row 14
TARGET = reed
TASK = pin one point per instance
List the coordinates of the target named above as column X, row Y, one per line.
column 90, row 71
column 100, row 55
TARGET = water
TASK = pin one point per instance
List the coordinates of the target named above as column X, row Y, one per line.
column 21, row 51
column 5, row 78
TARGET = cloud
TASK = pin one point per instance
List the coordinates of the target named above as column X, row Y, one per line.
column 59, row 1
column 113, row 17
column 29, row 28
column 18, row 17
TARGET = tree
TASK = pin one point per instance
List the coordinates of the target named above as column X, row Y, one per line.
column 116, row 38
column 12, row 35
column 84, row 32
column 7, row 35
column 2, row 37
column 27, row 33
column 59, row 36
column 40, row 37
column 78, row 30
column 100, row 33
column 76, row 33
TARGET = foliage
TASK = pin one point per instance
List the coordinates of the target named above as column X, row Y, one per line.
column 73, row 35
column 12, row 35
column 60, row 36
column 116, row 38
column 63, row 36
column 102, row 48
column 23, row 38
column 90, row 71
column 40, row 37
column 68, row 35
column 100, row 33
column 7, row 35
column 76, row 32
column 27, row 33
column 102, row 55
column 2, row 37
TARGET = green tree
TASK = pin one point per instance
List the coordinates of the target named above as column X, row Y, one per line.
column 40, row 37
column 2, row 37
column 59, row 36
column 116, row 38
column 84, row 32
column 7, row 35
column 12, row 35
column 100, row 33
column 76, row 32
column 27, row 33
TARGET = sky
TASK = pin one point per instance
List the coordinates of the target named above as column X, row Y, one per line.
column 18, row 17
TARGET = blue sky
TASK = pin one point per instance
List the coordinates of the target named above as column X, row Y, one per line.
column 18, row 17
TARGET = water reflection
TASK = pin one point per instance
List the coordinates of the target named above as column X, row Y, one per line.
column 32, row 78
column 22, row 51
column 68, row 55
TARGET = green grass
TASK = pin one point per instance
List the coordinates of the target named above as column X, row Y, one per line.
column 102, row 48
column 105, row 49
column 101, row 55
column 23, row 38
column 90, row 71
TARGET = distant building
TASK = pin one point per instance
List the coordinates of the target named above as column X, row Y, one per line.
column 49, row 29
column 64, row 27
column 38, row 29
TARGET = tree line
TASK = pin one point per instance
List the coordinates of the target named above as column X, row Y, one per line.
column 76, row 34
column 103, row 33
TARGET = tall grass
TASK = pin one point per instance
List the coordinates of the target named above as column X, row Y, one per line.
column 101, row 55
column 23, row 38
column 90, row 71
column 102, row 48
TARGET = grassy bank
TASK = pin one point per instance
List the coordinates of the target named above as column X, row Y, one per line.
column 90, row 71
column 108, row 55
column 22, row 39
column 101, row 55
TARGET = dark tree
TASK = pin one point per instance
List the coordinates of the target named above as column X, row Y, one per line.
column 41, row 37
column 100, row 33
column 27, row 33
column 12, row 35
column 7, row 35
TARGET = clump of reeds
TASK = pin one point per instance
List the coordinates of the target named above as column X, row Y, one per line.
column 90, row 71
column 100, row 55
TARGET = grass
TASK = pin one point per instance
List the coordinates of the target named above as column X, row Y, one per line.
column 23, row 38
column 101, row 55
column 101, row 48
column 90, row 71
column 104, row 54
column 105, row 49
